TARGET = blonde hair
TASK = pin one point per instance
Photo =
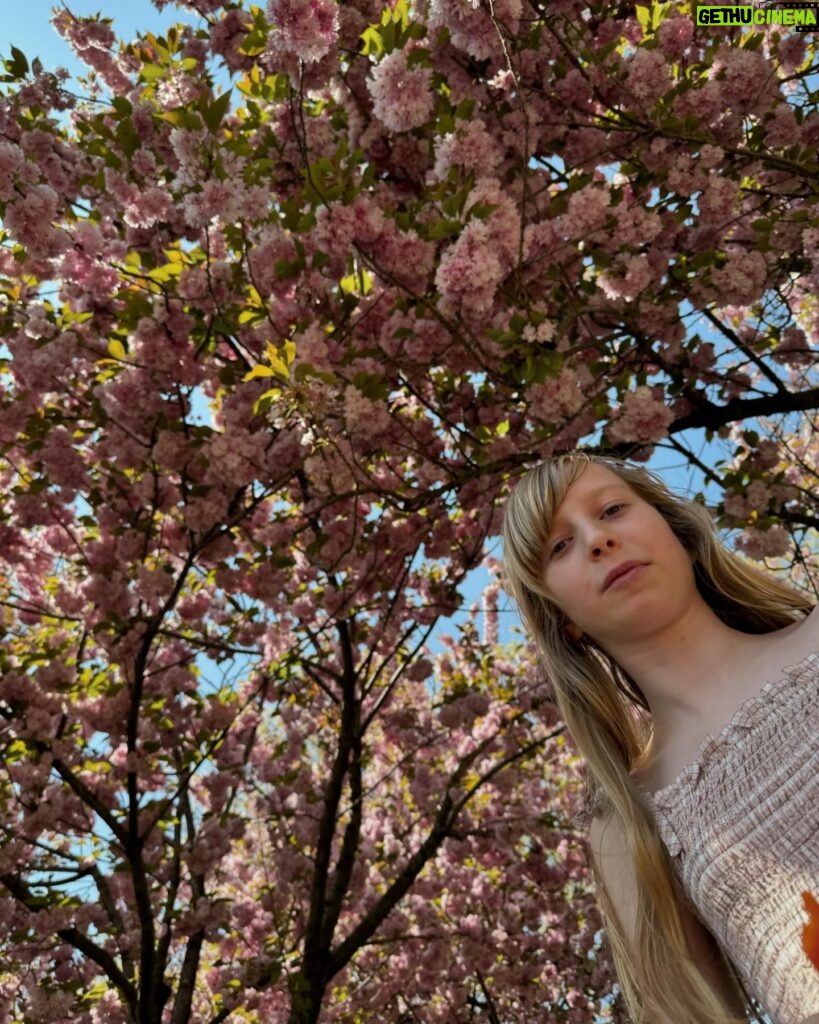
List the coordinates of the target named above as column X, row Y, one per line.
column 608, row 718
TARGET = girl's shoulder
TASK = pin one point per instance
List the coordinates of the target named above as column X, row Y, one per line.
column 770, row 666
column 790, row 645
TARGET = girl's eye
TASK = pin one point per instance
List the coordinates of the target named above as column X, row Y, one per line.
column 612, row 508
column 558, row 547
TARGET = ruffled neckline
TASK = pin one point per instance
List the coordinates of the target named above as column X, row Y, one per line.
column 747, row 715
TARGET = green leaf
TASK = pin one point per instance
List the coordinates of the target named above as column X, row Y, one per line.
column 388, row 34
column 260, row 371
column 254, row 43
column 481, row 210
column 371, row 386
column 443, row 229
column 419, row 57
column 215, row 113
column 400, row 13
column 465, row 109
column 152, row 72
column 127, row 137
column 163, row 274
column 182, row 117
column 19, row 64
column 277, row 87
column 659, row 13
column 284, row 269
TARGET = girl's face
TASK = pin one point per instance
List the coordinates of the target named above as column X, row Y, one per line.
column 612, row 563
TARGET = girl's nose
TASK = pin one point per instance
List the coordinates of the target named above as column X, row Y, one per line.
column 600, row 543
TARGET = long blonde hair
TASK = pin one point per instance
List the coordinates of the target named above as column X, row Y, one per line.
column 608, row 717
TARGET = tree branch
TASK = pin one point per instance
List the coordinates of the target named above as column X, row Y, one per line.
column 74, row 937
column 711, row 416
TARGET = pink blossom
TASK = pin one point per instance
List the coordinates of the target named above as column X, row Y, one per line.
column 470, row 146
column 791, row 52
column 503, row 220
column 109, row 1009
column 11, row 162
column 810, row 129
column 706, row 104
column 794, row 349
column 306, row 28
column 719, row 198
column 781, row 128
column 674, row 36
column 419, row 670
column 587, row 211
column 502, row 81
column 574, row 89
column 191, row 151
column 635, row 225
column 402, row 96
column 408, row 259
column 649, row 75
column 61, row 460
column 227, row 37
column 746, row 76
column 469, row 272
column 489, row 600
column 92, row 40
column 543, row 332
column 768, row 454
column 687, row 175
column 88, row 275
column 775, row 542
column 743, row 277
column 640, row 417
column 366, row 420
column 758, row 496
column 703, row 357
column 470, row 26
column 148, row 207
column 584, row 147
column 178, row 89
column 217, row 199
column 30, row 219
column 557, row 397
column 628, row 278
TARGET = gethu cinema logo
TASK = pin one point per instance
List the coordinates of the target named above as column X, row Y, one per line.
column 801, row 17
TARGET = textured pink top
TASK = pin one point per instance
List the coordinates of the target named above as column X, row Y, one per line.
column 742, row 827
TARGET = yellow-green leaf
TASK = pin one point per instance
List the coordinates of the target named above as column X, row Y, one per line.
column 259, row 371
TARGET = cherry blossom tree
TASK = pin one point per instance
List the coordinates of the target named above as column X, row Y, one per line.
column 289, row 297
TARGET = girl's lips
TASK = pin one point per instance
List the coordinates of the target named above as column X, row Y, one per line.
column 623, row 573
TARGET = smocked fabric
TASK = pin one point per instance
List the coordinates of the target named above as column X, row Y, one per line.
column 741, row 824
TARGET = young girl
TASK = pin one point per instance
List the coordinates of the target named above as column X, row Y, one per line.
column 689, row 681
